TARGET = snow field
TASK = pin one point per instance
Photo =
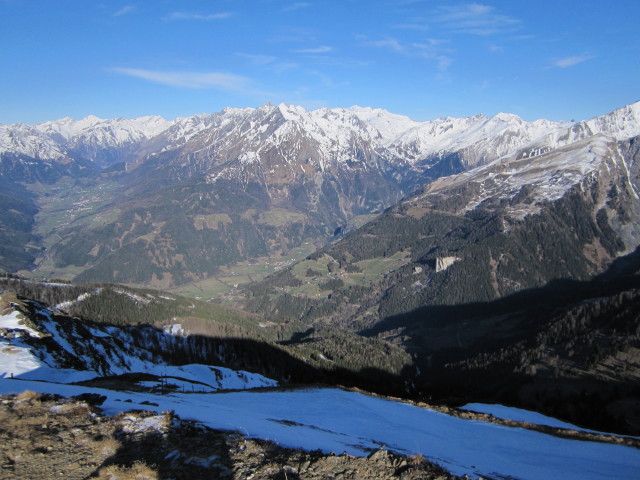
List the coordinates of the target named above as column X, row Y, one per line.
column 335, row 421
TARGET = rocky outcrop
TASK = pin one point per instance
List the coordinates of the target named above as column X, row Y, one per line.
column 442, row 263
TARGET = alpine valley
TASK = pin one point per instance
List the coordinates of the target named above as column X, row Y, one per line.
column 452, row 261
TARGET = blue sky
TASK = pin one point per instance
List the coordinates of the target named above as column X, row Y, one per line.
column 557, row 59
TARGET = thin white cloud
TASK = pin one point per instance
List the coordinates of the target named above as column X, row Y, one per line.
column 197, row 16
column 125, row 10
column 316, row 50
column 297, row 35
column 493, row 48
column 388, row 43
column 571, row 61
column 431, row 49
column 326, row 80
column 296, row 6
column 474, row 19
column 269, row 62
column 216, row 80
column 282, row 67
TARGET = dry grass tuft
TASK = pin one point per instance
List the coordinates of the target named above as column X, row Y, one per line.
column 138, row 471
column 107, row 447
column 28, row 396
column 73, row 410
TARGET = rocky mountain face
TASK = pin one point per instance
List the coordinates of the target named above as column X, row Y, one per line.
column 168, row 202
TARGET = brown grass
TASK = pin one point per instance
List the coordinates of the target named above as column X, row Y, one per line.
column 138, row 471
column 28, row 396
column 73, row 410
column 107, row 447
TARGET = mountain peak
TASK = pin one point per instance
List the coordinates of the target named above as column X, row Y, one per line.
column 507, row 117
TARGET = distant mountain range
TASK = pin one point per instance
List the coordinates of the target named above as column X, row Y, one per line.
column 167, row 202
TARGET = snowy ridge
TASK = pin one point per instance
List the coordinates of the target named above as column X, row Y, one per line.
column 22, row 139
column 621, row 124
column 336, row 133
column 183, row 129
column 337, row 137
column 389, row 125
column 55, row 139
column 92, row 129
column 546, row 177
column 48, row 347
column 480, row 139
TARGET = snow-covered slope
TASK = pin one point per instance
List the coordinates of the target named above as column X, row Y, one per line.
column 389, row 125
column 324, row 135
column 546, row 177
column 54, row 140
column 109, row 131
column 479, row 139
column 101, row 140
column 56, row 348
column 22, row 139
column 338, row 421
column 620, row 124
column 520, row 415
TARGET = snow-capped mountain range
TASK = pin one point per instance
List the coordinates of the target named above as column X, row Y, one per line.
column 279, row 144
column 318, row 169
column 332, row 130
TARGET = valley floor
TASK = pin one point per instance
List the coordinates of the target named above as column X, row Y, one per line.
column 334, row 420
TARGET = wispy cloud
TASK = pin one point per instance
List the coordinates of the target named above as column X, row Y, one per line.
column 571, row 61
column 326, row 80
column 431, row 49
column 389, row 43
column 125, row 10
column 296, row 6
column 282, row 67
column 271, row 63
column 474, row 19
column 316, row 50
column 291, row 34
column 217, row 80
column 197, row 16
column 493, row 48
